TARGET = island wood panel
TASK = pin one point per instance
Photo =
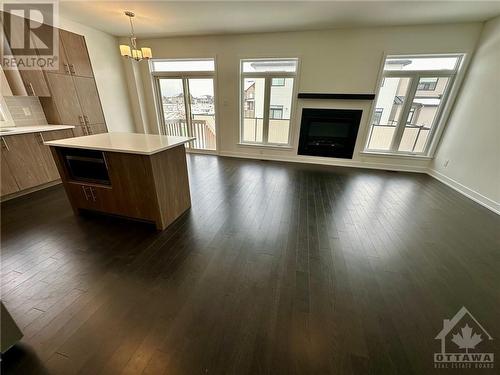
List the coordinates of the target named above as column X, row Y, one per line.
column 133, row 185
column 48, row 161
column 169, row 169
column 153, row 188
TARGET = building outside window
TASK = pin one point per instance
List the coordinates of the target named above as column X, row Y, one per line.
column 267, row 98
column 278, row 82
column 276, row 112
column 378, row 115
column 427, row 84
column 410, row 100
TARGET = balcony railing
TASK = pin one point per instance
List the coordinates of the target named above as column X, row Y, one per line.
column 202, row 130
column 278, row 130
column 413, row 140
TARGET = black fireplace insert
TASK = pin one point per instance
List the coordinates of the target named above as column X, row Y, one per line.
column 329, row 132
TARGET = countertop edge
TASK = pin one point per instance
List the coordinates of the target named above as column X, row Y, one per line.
column 56, row 143
column 35, row 129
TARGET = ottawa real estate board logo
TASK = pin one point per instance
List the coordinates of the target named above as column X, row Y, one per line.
column 465, row 344
column 29, row 35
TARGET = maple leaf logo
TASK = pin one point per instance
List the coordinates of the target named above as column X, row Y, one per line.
column 466, row 340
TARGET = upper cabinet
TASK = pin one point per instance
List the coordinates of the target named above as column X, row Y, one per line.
column 76, row 54
column 33, row 79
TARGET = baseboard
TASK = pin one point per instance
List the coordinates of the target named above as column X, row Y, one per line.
column 464, row 190
column 328, row 161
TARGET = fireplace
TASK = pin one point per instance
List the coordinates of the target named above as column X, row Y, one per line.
column 329, row 132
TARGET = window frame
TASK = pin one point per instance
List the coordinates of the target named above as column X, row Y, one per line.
column 155, row 77
column 455, row 77
column 268, row 76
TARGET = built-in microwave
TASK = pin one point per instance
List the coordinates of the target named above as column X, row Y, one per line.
column 86, row 165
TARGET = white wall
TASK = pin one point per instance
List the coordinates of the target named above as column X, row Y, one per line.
column 109, row 75
column 331, row 61
column 471, row 142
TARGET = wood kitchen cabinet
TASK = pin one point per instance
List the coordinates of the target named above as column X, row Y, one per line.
column 8, row 183
column 97, row 128
column 89, row 100
column 24, row 154
column 27, row 162
column 76, row 54
column 33, row 78
column 34, row 82
column 65, row 99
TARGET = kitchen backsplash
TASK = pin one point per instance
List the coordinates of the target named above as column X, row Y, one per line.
column 25, row 110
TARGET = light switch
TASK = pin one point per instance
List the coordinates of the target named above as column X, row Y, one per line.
column 27, row 111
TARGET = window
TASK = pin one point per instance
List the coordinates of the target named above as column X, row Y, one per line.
column 185, row 98
column 183, row 65
column 276, row 112
column 378, row 115
column 278, row 82
column 267, row 90
column 410, row 100
column 427, row 84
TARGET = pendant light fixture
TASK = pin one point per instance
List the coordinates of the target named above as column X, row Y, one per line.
column 131, row 51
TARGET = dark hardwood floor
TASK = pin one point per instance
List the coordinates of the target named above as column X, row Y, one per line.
column 277, row 269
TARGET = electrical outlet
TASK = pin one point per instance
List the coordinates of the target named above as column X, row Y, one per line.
column 446, row 163
column 27, row 111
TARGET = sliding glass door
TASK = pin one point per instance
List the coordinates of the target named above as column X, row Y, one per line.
column 186, row 100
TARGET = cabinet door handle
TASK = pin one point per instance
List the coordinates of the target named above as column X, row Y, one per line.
column 92, row 192
column 40, row 138
column 71, row 68
column 84, row 188
column 86, row 119
column 32, row 89
column 89, row 130
column 80, row 118
column 6, row 146
column 66, row 68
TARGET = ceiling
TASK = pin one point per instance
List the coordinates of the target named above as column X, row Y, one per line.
column 165, row 18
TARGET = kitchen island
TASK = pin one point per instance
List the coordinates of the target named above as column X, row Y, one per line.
column 139, row 176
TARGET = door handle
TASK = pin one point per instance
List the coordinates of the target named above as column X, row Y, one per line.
column 6, row 146
column 86, row 119
column 84, row 188
column 66, row 68
column 32, row 89
column 71, row 68
column 89, row 130
column 92, row 192
column 40, row 138
column 82, row 121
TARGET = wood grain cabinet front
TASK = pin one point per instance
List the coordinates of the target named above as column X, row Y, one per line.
column 8, row 183
column 76, row 54
column 24, row 155
column 27, row 162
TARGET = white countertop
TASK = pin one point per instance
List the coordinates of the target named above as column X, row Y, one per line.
column 32, row 129
column 130, row 143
